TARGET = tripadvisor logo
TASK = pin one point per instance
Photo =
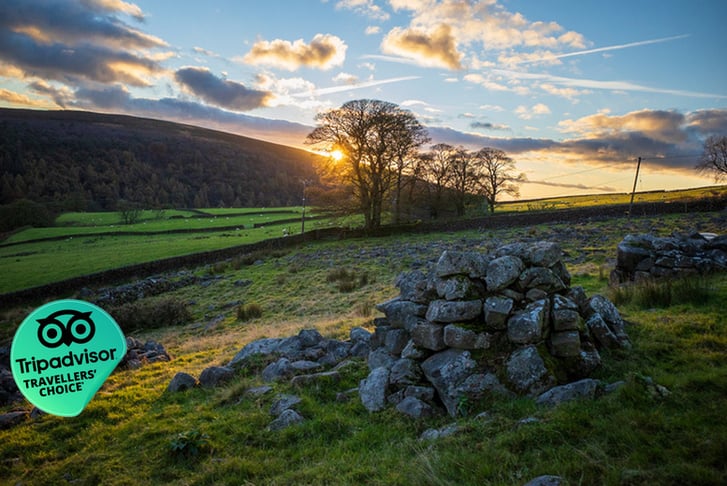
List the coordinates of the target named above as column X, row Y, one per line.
column 63, row 352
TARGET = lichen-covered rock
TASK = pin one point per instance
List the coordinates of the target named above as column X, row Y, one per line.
column 446, row 371
column 527, row 373
column 528, row 326
column 503, row 271
column 374, row 389
column 453, row 311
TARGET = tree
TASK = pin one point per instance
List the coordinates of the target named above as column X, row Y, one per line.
column 368, row 137
column 436, row 170
column 714, row 157
column 497, row 175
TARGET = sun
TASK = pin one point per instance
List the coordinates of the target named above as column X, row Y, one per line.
column 336, row 155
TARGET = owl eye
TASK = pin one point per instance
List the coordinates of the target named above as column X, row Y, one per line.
column 50, row 333
column 81, row 328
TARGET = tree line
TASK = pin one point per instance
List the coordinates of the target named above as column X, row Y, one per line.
column 376, row 161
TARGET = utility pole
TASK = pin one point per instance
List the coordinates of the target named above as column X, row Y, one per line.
column 633, row 191
column 302, row 220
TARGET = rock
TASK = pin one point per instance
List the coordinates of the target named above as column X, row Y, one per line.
column 497, row 310
column 309, row 337
column 600, row 330
column 585, row 388
column 565, row 344
column 461, row 338
column 305, row 365
column 565, row 314
column 415, row 408
column 472, row 264
column 546, row 480
column 543, row 254
column 427, row 335
column 446, row 431
column 279, row 370
column 396, row 340
column 260, row 347
column 453, row 311
column 446, row 370
column 11, row 419
column 458, row 287
column 215, row 375
column 373, row 389
column 181, row 381
column 425, row 393
column 259, row 391
column 380, row 358
column 286, row 419
column 503, row 271
column 399, row 311
column 411, row 351
column 527, row 326
column 527, row 373
column 282, row 403
column 540, row 278
column 415, row 287
column 360, row 335
column 405, row 372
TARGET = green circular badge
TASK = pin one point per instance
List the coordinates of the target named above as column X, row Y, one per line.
column 63, row 352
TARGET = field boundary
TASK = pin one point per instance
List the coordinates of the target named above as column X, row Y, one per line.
column 108, row 277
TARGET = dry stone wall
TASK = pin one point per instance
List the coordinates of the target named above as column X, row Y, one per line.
column 646, row 257
column 505, row 323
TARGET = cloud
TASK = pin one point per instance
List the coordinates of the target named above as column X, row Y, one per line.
column 115, row 6
column 602, row 85
column 661, row 125
column 537, row 109
column 70, row 41
column 14, row 98
column 361, row 85
column 221, row 92
column 324, row 52
column 489, row 126
column 435, row 48
column 366, row 8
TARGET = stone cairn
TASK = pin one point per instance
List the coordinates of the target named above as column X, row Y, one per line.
column 505, row 323
column 647, row 257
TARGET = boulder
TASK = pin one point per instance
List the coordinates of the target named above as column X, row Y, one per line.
column 527, row 373
column 215, row 375
column 373, row 389
column 181, row 381
column 453, row 311
column 446, row 370
column 503, row 271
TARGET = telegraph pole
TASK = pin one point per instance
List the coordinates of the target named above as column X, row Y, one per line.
column 633, row 191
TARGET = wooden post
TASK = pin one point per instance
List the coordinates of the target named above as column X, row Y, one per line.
column 633, row 191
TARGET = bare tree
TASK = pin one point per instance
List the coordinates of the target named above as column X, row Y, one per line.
column 714, row 157
column 497, row 175
column 464, row 177
column 370, row 136
column 436, row 170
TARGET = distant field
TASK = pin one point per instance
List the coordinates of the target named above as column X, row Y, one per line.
column 90, row 244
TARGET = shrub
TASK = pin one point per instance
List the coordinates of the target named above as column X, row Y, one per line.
column 189, row 444
column 245, row 312
column 163, row 312
column 347, row 280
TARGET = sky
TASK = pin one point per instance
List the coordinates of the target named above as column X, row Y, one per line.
column 574, row 91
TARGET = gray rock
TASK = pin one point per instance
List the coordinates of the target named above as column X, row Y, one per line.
column 477, row 385
column 453, row 311
column 585, row 388
column 540, row 278
column 395, row 341
column 527, row 373
column 415, row 408
column 399, row 311
column 411, row 351
column 405, row 372
column 543, row 254
column 565, row 314
column 380, row 358
column 600, row 330
column 415, row 287
column 546, row 480
column 336, row 351
column 259, row 391
column 458, row 337
column 280, row 369
column 359, row 335
column 305, row 365
column 309, row 337
column 282, row 403
column 497, row 310
column 502, row 272
column 261, row 347
column 446, row 370
column 215, row 375
column 425, row 393
column 611, row 316
column 472, row 264
column 434, row 434
column 564, row 344
column 182, row 381
column 458, row 287
column 427, row 335
column 373, row 389
column 11, row 419
column 527, row 326
column 286, row 419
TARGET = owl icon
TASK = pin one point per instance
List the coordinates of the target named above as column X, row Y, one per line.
column 66, row 326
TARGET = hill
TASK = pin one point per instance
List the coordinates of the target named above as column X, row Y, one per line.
column 71, row 160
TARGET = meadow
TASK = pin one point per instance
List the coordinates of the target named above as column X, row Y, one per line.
column 133, row 431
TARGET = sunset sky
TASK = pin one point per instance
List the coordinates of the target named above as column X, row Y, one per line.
column 574, row 91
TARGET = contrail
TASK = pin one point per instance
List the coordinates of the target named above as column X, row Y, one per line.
column 606, row 48
column 348, row 87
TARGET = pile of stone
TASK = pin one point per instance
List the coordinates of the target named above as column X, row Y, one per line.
column 139, row 353
column 502, row 323
column 646, row 257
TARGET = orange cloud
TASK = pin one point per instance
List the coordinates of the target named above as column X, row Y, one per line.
column 435, row 48
column 324, row 52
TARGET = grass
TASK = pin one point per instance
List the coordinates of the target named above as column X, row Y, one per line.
column 633, row 436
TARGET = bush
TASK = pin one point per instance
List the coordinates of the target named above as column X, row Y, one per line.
column 189, row 444
column 24, row 213
column 245, row 312
column 347, row 280
column 163, row 312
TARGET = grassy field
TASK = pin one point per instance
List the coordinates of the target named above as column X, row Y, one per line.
column 90, row 244
column 635, row 436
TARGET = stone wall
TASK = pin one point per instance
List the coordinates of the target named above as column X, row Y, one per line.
column 504, row 323
column 645, row 257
